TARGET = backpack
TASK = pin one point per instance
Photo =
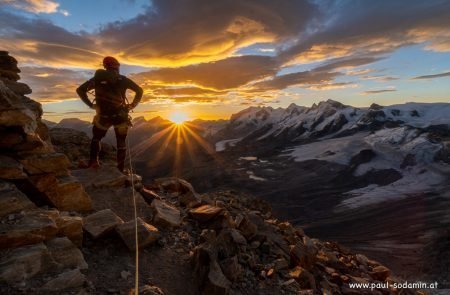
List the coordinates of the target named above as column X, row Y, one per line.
column 108, row 94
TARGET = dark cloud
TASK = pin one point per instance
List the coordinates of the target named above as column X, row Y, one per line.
column 323, row 74
column 375, row 27
column 195, row 42
column 161, row 91
column 39, row 41
column 224, row 74
column 50, row 84
column 339, row 63
column 181, row 32
column 446, row 74
column 299, row 78
column 378, row 91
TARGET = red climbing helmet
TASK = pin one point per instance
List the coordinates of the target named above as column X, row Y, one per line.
column 110, row 62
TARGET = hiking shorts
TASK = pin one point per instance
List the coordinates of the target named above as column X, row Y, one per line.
column 105, row 122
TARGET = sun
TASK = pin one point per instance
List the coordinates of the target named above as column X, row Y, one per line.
column 178, row 117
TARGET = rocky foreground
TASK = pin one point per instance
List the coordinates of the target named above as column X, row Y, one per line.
column 69, row 231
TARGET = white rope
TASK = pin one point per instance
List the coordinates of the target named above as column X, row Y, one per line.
column 136, row 282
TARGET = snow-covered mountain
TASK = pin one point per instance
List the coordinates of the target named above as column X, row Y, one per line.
column 412, row 139
column 328, row 119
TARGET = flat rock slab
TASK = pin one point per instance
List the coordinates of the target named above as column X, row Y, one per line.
column 12, row 200
column 10, row 168
column 103, row 177
column 173, row 184
column 46, row 163
column 147, row 233
column 101, row 223
column 66, row 254
column 29, row 228
column 70, row 196
column 165, row 215
column 66, row 280
column 120, row 201
column 23, row 263
column 205, row 212
column 71, row 227
column 149, row 195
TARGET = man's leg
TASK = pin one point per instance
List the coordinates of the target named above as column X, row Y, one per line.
column 97, row 135
column 121, row 135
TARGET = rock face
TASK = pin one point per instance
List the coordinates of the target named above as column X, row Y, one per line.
column 34, row 241
column 27, row 156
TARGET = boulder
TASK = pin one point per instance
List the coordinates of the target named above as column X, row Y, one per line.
column 237, row 237
column 231, row 268
column 216, row 282
column 280, row 264
column 30, row 228
column 43, row 182
column 246, row 227
column 10, row 168
column 300, row 256
column 18, row 87
column 105, row 176
column 45, row 163
column 10, row 138
column 75, row 145
column 209, row 276
column 12, row 200
column 303, row 277
column 121, row 201
column 23, row 263
column 66, row 254
column 17, row 117
column 147, row 233
column 174, row 185
column 66, row 280
column 165, row 215
column 380, row 273
column 190, row 200
column 101, row 223
column 70, row 196
column 205, row 213
column 186, row 193
column 149, row 195
column 71, row 227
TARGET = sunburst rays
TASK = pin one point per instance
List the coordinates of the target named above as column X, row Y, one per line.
column 175, row 142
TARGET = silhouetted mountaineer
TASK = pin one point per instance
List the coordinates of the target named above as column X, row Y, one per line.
column 111, row 106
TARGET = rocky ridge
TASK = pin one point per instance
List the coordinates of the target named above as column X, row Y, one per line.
column 72, row 231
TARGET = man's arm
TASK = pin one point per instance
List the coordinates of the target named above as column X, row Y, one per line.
column 82, row 92
column 138, row 92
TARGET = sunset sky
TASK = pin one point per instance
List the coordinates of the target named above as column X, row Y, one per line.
column 210, row 59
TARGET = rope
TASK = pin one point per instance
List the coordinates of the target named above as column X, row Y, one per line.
column 136, row 282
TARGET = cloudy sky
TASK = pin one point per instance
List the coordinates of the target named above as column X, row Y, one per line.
column 213, row 58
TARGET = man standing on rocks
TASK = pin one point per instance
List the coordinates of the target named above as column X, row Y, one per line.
column 111, row 106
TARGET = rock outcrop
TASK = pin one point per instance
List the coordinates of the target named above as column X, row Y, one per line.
column 36, row 236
